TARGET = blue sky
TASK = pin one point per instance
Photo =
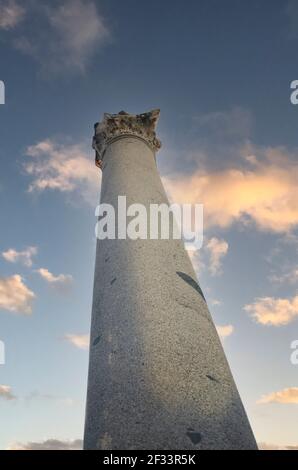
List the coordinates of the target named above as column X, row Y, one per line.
column 220, row 71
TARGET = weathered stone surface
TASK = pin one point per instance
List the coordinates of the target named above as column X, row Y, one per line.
column 117, row 125
column 158, row 376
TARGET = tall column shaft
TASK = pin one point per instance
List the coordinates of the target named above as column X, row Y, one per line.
column 158, row 376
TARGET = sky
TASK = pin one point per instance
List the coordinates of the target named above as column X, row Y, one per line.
column 220, row 71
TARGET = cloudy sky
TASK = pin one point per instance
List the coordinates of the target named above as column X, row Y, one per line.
column 220, row 71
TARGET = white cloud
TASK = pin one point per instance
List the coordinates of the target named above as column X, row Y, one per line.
column 271, row 311
column 66, row 36
column 79, row 341
column 52, row 279
column 6, row 392
column 63, row 168
column 265, row 193
column 224, row 330
column 217, row 249
column 15, row 295
column 25, row 256
column 11, row 14
column 285, row 396
column 49, row 444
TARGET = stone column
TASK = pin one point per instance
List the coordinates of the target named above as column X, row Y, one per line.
column 158, row 376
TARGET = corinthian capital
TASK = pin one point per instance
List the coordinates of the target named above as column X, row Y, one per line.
column 117, row 125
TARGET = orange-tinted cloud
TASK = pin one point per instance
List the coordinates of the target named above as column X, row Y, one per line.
column 25, row 256
column 6, row 392
column 287, row 395
column 15, row 295
column 271, row 311
column 264, row 193
column 79, row 341
column 224, row 330
column 52, row 279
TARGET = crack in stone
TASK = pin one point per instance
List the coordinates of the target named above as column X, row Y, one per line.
column 96, row 341
column 190, row 281
column 212, row 378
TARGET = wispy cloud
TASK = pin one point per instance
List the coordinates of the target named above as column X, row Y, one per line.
column 77, row 340
column 290, row 277
column 285, row 396
column 11, row 14
column 197, row 260
column 292, row 14
column 78, row 31
column 229, row 126
column 213, row 140
column 217, row 249
column 65, row 168
column 15, row 296
column 224, row 330
column 61, row 279
column 282, row 259
column 6, row 392
column 65, row 37
column 36, row 396
column 49, row 444
column 210, row 256
column 25, row 256
column 271, row 311
column 263, row 193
